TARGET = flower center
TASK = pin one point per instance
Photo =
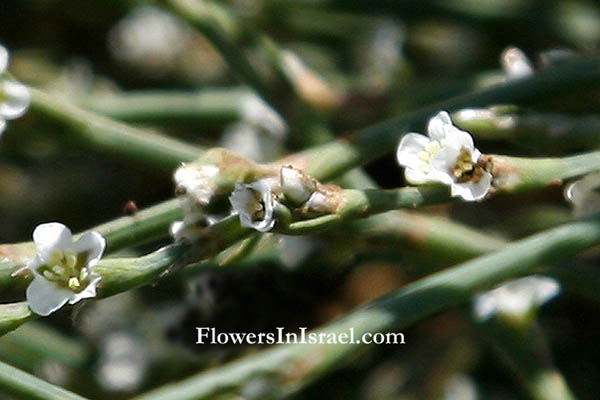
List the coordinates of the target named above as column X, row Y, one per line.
column 256, row 206
column 67, row 269
column 465, row 170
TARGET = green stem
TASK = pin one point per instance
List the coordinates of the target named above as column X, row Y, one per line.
column 24, row 386
column 34, row 342
column 207, row 106
column 292, row 367
column 103, row 134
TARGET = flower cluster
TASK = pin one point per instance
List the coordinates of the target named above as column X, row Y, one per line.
column 257, row 203
column 448, row 156
column 14, row 97
column 63, row 270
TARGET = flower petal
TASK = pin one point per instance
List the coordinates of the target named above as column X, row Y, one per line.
column 408, row 149
column 51, row 237
column 45, row 297
column 471, row 191
column 3, row 59
column 15, row 99
column 416, row 176
column 436, row 128
column 88, row 292
column 2, row 125
column 442, row 163
column 93, row 243
column 244, row 201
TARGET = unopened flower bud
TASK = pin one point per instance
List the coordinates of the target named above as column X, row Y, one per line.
column 297, row 187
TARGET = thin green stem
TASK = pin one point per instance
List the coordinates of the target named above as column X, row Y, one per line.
column 207, row 106
column 103, row 134
column 22, row 385
column 289, row 368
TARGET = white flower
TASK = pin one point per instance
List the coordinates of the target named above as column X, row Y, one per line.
column 515, row 64
column 255, row 204
column 14, row 96
column 516, row 297
column 63, row 270
column 447, row 156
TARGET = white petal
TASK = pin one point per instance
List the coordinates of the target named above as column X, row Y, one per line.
column 89, row 291
column 45, row 297
column 416, row 176
column 2, row 125
column 436, row 128
column 442, row 163
column 457, row 138
column 485, row 305
column 471, row 191
column 3, row 59
column 15, row 99
column 243, row 199
column 93, row 243
column 545, row 288
column 408, row 149
column 51, row 237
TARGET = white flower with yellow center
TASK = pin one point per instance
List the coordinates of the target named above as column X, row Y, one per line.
column 14, row 96
column 63, row 270
column 447, row 155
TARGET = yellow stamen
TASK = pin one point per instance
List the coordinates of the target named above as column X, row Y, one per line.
column 74, row 283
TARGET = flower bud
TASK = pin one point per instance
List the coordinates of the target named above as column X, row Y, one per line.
column 297, row 187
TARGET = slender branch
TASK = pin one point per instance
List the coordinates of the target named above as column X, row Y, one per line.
column 22, row 385
column 291, row 367
column 207, row 106
column 103, row 134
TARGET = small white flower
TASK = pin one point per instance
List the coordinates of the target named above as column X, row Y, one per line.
column 515, row 64
column 447, row 156
column 255, row 204
column 63, row 270
column 14, row 96
column 515, row 298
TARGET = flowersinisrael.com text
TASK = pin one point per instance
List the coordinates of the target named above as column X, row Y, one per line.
column 206, row 335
